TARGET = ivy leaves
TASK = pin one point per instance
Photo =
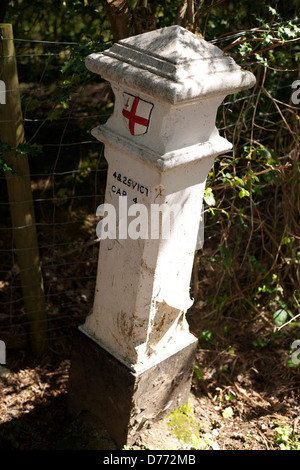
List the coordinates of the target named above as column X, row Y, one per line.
column 22, row 149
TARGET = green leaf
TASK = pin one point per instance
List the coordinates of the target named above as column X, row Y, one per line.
column 287, row 240
column 244, row 193
column 209, row 197
column 272, row 10
column 259, row 342
column 4, row 147
column 55, row 114
column 205, row 335
column 65, row 104
column 198, row 373
column 227, row 412
column 245, row 48
column 290, row 363
column 25, row 149
column 239, row 181
column 4, row 166
column 280, row 316
column 33, row 104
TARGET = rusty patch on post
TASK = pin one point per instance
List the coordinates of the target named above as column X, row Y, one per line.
column 164, row 319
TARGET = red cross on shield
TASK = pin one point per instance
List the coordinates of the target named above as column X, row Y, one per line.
column 137, row 113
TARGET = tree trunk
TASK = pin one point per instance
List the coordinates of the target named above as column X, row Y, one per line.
column 120, row 18
column 20, row 196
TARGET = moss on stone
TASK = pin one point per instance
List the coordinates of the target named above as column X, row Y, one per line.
column 184, row 426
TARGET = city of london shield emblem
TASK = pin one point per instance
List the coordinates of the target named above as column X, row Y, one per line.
column 137, row 113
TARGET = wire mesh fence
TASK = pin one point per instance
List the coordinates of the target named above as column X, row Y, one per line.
column 250, row 222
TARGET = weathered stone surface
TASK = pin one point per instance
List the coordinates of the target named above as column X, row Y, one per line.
column 170, row 64
column 126, row 402
column 134, row 358
column 160, row 144
column 142, row 289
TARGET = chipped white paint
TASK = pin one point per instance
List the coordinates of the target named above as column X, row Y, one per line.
column 160, row 144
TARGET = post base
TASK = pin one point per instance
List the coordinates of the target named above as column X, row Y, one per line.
column 121, row 399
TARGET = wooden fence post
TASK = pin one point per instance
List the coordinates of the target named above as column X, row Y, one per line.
column 20, row 195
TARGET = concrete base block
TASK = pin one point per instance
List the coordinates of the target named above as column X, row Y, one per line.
column 121, row 399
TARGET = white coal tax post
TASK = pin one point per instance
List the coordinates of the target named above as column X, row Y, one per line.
column 133, row 357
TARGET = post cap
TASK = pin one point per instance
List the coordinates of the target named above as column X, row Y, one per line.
column 171, row 64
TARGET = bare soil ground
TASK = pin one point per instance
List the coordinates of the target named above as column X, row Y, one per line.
column 243, row 398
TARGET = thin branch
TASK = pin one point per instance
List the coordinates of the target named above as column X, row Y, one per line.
column 282, row 116
column 190, row 11
column 200, row 14
column 181, row 12
column 283, row 43
column 288, row 322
